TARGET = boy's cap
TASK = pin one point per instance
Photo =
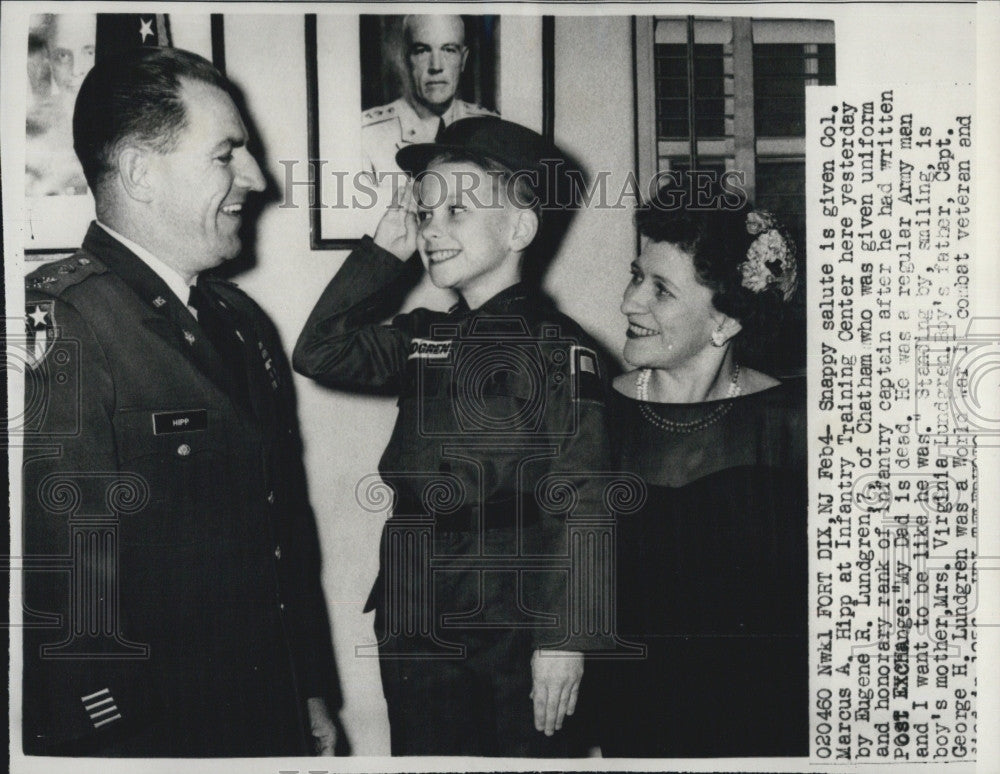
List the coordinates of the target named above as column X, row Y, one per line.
column 513, row 145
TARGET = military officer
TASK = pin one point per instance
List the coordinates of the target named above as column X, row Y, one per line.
column 163, row 479
column 434, row 57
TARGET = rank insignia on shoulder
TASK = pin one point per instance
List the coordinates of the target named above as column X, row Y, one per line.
column 40, row 326
column 377, row 115
column 587, row 373
column 37, row 283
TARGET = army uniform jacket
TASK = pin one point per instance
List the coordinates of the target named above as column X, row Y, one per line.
column 210, row 629
column 387, row 128
column 500, row 433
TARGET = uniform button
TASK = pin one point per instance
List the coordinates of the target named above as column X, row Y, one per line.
column 184, row 450
column 270, row 497
column 277, row 552
column 281, row 606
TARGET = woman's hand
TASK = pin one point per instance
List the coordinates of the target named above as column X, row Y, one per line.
column 555, row 679
column 397, row 231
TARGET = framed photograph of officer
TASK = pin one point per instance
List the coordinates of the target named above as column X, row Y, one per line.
column 378, row 83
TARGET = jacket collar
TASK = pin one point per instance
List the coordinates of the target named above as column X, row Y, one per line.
column 134, row 271
column 500, row 303
column 177, row 284
column 167, row 315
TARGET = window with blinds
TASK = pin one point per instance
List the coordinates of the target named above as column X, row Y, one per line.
column 728, row 94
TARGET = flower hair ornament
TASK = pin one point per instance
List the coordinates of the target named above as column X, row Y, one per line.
column 771, row 257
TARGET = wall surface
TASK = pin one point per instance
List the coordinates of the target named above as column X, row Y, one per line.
column 344, row 434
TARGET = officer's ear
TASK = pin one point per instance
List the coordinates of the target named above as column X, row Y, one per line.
column 465, row 56
column 135, row 172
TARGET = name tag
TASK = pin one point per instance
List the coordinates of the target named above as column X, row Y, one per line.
column 429, row 348
column 166, row 422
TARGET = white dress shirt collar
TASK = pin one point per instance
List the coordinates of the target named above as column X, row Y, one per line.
column 177, row 284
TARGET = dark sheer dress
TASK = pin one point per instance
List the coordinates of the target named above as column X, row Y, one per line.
column 712, row 580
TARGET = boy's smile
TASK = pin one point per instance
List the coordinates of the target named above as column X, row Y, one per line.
column 439, row 256
column 466, row 231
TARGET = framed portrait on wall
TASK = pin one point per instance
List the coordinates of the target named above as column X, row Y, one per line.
column 62, row 48
column 379, row 82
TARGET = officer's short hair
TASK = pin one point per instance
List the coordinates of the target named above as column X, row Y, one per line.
column 135, row 97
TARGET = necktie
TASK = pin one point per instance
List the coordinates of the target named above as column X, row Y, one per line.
column 222, row 335
column 440, row 130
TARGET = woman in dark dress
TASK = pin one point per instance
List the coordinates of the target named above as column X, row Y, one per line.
column 712, row 570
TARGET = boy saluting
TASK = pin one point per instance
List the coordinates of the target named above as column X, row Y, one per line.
column 501, row 419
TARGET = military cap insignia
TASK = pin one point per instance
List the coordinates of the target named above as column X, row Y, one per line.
column 40, row 326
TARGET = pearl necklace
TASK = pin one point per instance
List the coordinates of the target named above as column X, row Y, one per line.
column 642, row 390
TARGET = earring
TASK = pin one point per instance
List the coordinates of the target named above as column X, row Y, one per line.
column 718, row 337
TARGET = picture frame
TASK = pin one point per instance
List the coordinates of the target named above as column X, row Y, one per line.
column 345, row 84
column 61, row 49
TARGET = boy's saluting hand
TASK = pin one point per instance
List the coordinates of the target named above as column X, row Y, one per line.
column 397, row 231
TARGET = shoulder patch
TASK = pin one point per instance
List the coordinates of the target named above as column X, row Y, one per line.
column 39, row 329
column 377, row 115
column 587, row 377
column 53, row 278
